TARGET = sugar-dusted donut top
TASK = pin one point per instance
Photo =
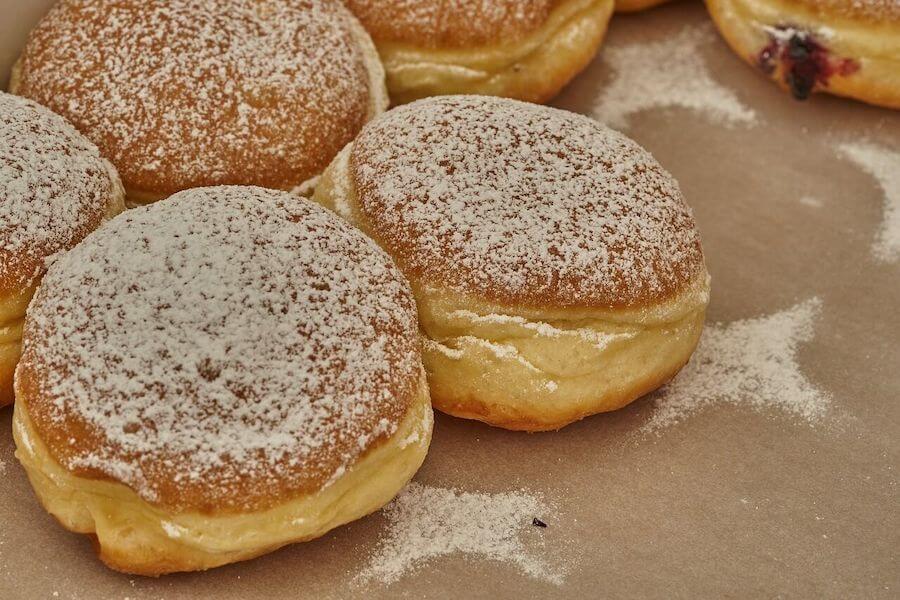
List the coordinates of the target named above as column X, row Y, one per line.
column 869, row 10
column 225, row 349
column 460, row 23
column 186, row 93
column 54, row 189
column 523, row 204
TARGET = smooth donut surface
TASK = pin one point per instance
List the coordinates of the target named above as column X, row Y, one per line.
column 216, row 360
column 190, row 93
column 527, row 50
column 54, row 189
column 557, row 270
column 627, row 6
column 844, row 48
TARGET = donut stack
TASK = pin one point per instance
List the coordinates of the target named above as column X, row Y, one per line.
column 249, row 355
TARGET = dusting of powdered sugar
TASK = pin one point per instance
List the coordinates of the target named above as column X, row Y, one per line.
column 883, row 164
column 749, row 363
column 228, row 345
column 54, row 188
column 523, row 203
column 663, row 74
column 184, row 93
column 427, row 522
column 811, row 201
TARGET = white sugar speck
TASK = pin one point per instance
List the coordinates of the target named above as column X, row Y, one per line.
column 750, row 363
column 426, row 522
column 811, row 201
column 2, row 468
column 884, row 165
column 667, row 73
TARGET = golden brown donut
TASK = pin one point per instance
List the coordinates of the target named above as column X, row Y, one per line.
column 557, row 269
column 627, row 6
column 54, row 190
column 188, row 93
column 526, row 49
column 214, row 376
column 839, row 47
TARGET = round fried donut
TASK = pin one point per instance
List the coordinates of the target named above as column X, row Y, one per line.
column 557, row 269
column 526, row 49
column 54, row 190
column 217, row 375
column 189, row 93
column 844, row 48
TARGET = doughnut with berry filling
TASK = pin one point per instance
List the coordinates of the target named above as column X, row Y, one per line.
column 526, row 49
column 189, row 93
column 216, row 375
column 844, row 48
column 54, row 189
column 557, row 269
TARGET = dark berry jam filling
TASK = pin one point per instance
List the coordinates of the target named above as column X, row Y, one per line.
column 805, row 61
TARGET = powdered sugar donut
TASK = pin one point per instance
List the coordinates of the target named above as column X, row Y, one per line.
column 526, row 49
column 217, row 375
column 54, row 190
column 188, row 93
column 557, row 268
column 845, row 48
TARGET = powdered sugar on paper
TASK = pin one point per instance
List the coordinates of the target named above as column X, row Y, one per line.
column 663, row 74
column 427, row 522
column 750, row 363
column 883, row 164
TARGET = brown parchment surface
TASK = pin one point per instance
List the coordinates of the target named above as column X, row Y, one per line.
column 731, row 503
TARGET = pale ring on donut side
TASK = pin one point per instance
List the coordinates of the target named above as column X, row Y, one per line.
column 134, row 536
column 533, row 67
column 537, row 369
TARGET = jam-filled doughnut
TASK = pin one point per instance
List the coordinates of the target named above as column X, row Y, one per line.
column 526, row 49
column 216, row 375
column 54, row 190
column 189, row 93
column 558, row 271
column 844, row 48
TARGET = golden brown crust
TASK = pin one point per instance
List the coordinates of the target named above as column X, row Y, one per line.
column 188, row 93
column 459, row 24
column 523, row 205
column 472, row 405
column 133, row 536
column 56, row 188
column 537, row 367
column 217, row 365
column 627, row 6
column 875, row 11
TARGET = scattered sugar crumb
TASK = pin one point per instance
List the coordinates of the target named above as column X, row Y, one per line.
column 667, row 73
column 883, row 164
column 426, row 522
column 750, row 362
column 2, row 467
column 811, row 201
